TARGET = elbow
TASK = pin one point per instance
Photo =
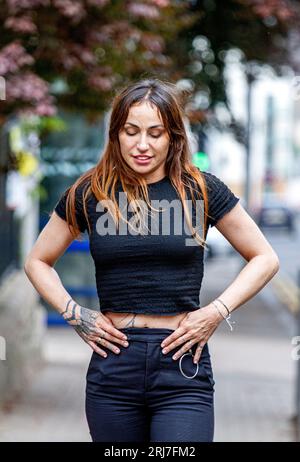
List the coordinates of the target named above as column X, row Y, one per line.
column 26, row 266
column 33, row 265
column 274, row 264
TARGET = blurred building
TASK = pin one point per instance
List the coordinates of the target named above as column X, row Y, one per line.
column 21, row 314
column 66, row 155
column 274, row 149
column 275, row 168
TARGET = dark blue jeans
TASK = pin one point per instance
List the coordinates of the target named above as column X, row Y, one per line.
column 140, row 394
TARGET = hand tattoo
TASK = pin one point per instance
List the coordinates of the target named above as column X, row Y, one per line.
column 85, row 320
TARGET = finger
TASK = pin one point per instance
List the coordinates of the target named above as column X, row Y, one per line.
column 113, row 331
column 93, row 333
column 186, row 347
column 108, row 345
column 179, row 332
column 198, row 352
column 97, row 349
column 183, row 338
column 107, row 336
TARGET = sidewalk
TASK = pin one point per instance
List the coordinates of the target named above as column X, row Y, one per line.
column 53, row 408
column 253, row 370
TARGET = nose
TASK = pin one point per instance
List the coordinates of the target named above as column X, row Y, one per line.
column 143, row 145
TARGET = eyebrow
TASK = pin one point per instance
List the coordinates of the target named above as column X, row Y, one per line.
column 152, row 126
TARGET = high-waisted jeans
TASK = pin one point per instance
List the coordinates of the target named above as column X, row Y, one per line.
column 140, row 394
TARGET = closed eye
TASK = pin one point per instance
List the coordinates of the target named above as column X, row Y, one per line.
column 153, row 136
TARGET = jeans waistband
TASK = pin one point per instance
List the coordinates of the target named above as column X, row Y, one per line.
column 146, row 334
column 153, row 334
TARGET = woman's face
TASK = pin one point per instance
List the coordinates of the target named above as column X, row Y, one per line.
column 144, row 141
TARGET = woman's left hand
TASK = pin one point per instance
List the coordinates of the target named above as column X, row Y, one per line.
column 196, row 327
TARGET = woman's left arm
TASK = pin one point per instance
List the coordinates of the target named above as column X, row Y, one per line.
column 263, row 263
column 244, row 235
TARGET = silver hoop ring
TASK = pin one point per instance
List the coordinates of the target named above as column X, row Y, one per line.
column 180, row 367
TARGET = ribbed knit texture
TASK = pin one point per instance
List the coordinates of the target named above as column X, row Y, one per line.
column 151, row 273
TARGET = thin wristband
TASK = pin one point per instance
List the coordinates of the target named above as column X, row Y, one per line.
column 224, row 305
column 226, row 318
column 213, row 303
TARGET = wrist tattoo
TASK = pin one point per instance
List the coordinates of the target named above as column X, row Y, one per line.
column 69, row 301
column 70, row 316
column 84, row 321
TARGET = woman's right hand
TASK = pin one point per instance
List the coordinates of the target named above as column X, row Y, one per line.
column 94, row 327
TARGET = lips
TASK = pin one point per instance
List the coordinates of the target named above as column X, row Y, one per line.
column 142, row 157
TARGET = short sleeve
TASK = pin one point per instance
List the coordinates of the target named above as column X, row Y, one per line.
column 60, row 208
column 220, row 198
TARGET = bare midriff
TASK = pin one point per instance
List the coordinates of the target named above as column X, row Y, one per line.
column 122, row 320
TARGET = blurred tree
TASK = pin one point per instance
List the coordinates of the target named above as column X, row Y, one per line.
column 76, row 53
column 261, row 30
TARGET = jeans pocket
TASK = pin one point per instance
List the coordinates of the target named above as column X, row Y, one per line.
column 206, row 370
column 190, row 371
column 95, row 367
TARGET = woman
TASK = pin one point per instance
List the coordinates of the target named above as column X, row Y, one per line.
column 150, row 375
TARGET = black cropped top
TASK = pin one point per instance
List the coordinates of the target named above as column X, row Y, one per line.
column 157, row 271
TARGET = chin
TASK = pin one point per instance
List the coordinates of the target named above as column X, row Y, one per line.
column 142, row 168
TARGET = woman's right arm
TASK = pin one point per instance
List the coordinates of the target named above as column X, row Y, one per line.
column 51, row 244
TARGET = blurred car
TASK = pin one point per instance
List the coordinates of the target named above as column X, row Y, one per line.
column 217, row 244
column 276, row 215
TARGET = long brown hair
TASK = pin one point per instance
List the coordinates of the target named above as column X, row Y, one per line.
column 101, row 180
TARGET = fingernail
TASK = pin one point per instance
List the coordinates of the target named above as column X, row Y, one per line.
column 126, row 344
column 162, row 344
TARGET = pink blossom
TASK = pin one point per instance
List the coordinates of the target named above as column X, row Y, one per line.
column 282, row 9
column 75, row 56
column 99, row 3
column 26, row 87
column 22, row 24
column 45, row 108
column 42, row 109
column 152, row 42
column 161, row 3
column 16, row 5
column 143, row 10
column 70, row 8
column 13, row 57
column 100, row 83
